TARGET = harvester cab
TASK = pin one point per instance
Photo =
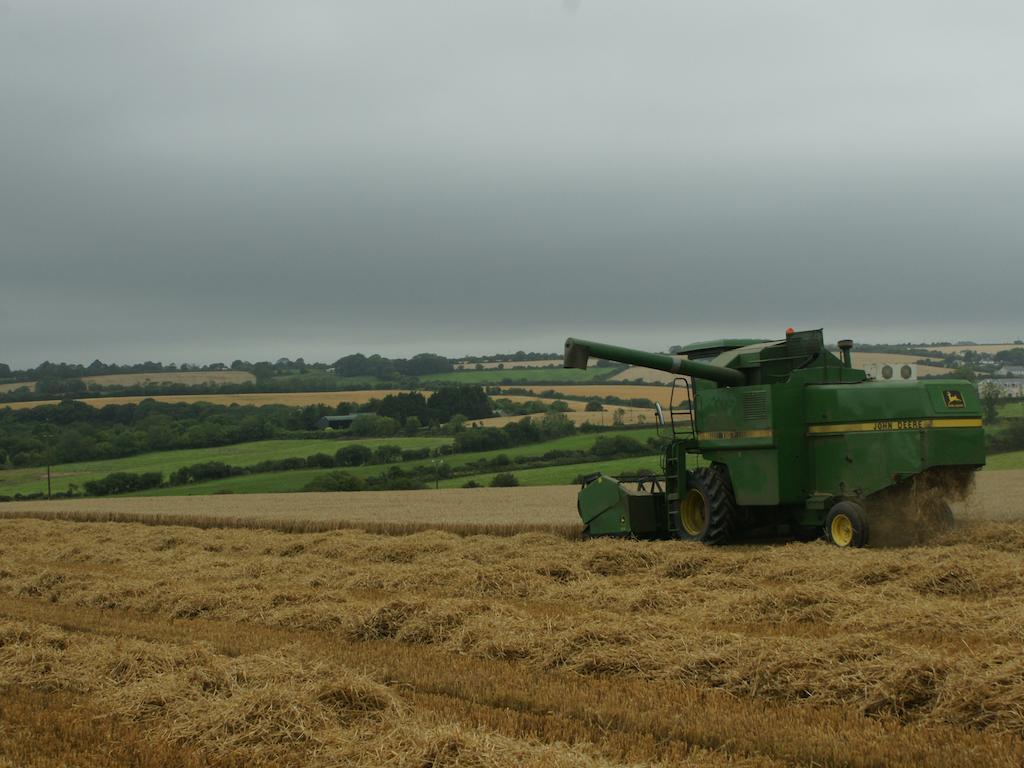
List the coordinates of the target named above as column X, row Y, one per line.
column 766, row 434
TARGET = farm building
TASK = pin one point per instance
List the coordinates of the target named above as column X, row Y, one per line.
column 1013, row 371
column 338, row 422
column 1010, row 387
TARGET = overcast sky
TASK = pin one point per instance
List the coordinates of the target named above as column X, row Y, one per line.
column 201, row 181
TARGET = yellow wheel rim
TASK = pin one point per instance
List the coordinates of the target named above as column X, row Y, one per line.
column 842, row 530
column 694, row 511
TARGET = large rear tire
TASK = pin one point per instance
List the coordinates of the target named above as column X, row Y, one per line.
column 707, row 511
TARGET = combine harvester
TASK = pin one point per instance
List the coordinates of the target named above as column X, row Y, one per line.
column 788, row 434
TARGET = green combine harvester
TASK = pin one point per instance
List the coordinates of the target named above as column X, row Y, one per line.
column 787, row 434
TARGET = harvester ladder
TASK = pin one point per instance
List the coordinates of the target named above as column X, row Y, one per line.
column 682, row 417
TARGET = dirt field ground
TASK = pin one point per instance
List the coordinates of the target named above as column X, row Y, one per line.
column 154, row 645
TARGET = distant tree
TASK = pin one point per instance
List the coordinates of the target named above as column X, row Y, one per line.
column 611, row 445
column 594, row 405
column 5, row 370
column 320, row 460
column 387, row 454
column 468, row 399
column 335, row 481
column 619, row 417
column 990, row 396
column 555, row 424
column 263, row 370
column 964, row 372
column 123, row 482
column 374, row 426
column 504, row 480
column 354, row 455
column 1013, row 356
column 60, row 387
column 402, row 406
column 361, row 365
column 423, row 365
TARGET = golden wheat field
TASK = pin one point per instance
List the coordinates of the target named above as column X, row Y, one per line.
column 180, row 645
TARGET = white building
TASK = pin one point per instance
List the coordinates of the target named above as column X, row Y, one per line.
column 1009, row 387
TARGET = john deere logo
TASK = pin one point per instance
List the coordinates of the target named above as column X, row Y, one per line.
column 953, row 398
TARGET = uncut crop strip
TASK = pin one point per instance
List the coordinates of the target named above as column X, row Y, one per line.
column 475, row 510
column 284, row 525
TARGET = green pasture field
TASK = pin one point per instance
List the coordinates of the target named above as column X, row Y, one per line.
column 565, row 474
column 296, row 480
column 1011, row 410
column 1012, row 460
column 33, row 479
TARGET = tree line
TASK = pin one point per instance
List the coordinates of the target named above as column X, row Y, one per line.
column 392, row 478
column 73, row 431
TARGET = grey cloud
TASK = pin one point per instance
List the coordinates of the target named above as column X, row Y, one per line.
column 198, row 181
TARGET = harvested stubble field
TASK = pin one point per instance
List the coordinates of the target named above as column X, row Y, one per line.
column 153, row 645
